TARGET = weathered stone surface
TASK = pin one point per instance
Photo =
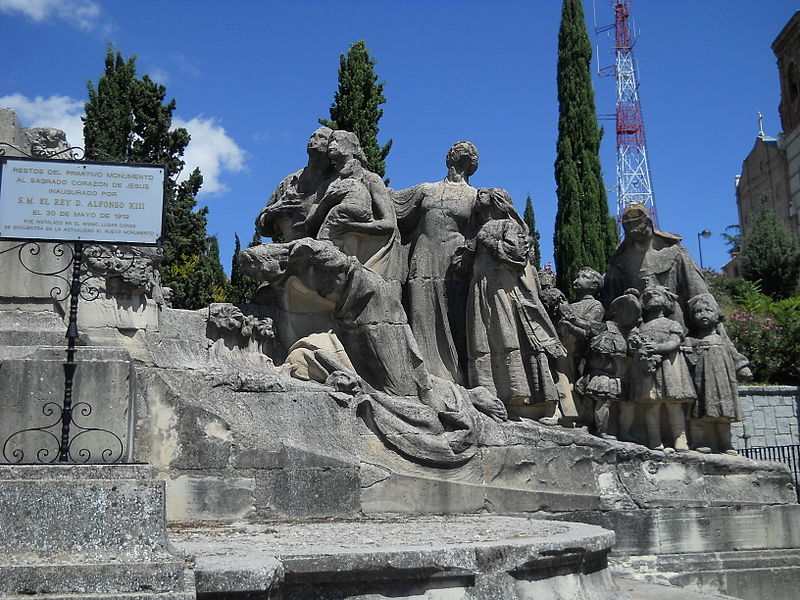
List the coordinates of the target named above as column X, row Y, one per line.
column 654, row 531
column 748, row 575
column 12, row 133
column 32, row 387
column 72, row 529
column 477, row 558
column 771, row 416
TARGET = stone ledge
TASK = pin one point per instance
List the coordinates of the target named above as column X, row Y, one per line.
column 770, row 390
column 482, row 553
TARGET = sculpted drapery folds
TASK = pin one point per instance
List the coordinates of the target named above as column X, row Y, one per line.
column 510, row 338
column 435, row 220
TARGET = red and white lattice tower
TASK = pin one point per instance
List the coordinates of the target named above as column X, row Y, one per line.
column 633, row 170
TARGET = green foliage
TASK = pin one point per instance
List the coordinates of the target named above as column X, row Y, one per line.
column 733, row 238
column 530, row 221
column 355, row 104
column 771, row 255
column 127, row 120
column 242, row 286
column 585, row 233
column 767, row 331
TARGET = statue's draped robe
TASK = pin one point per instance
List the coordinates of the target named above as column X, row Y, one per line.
column 434, row 220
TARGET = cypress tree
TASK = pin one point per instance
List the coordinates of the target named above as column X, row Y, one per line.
column 585, row 235
column 355, row 104
column 530, row 221
column 128, row 120
column 771, row 255
column 242, row 286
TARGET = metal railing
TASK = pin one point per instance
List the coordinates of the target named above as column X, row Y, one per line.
column 788, row 455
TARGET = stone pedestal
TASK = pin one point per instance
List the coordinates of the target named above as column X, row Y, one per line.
column 32, row 392
column 71, row 531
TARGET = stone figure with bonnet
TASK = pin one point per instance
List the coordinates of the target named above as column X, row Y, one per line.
column 717, row 369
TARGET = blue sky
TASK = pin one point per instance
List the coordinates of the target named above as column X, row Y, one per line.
column 251, row 78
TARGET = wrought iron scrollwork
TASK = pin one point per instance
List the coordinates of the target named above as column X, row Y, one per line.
column 65, row 437
column 71, row 153
column 50, row 446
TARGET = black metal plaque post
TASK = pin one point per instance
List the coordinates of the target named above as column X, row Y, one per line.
column 70, row 366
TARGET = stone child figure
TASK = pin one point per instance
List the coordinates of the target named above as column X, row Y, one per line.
column 510, row 338
column 608, row 367
column 661, row 376
column 577, row 321
column 717, row 367
column 552, row 298
column 355, row 210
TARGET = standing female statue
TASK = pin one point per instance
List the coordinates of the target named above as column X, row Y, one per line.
column 434, row 220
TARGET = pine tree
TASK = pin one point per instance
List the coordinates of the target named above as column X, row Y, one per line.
column 242, row 286
column 127, row 120
column 355, row 104
column 585, row 235
column 771, row 255
column 530, row 221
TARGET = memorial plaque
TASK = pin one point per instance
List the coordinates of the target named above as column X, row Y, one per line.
column 58, row 200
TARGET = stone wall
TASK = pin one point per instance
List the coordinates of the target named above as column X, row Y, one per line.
column 770, row 416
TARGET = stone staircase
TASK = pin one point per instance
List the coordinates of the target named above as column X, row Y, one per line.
column 87, row 531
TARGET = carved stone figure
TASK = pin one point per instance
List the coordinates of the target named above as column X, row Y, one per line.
column 717, row 367
column 578, row 317
column 425, row 417
column 552, row 298
column 576, row 323
column 648, row 257
column 47, row 141
column 365, row 314
column 434, row 220
column 285, row 213
column 510, row 337
column 662, row 375
column 608, row 369
column 355, row 210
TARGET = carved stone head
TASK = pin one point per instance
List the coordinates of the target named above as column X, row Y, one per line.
column 463, row 157
column 637, row 223
column 343, row 146
column 318, row 142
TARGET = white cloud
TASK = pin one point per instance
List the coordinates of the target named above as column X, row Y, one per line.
column 212, row 150
column 159, row 75
column 61, row 112
column 83, row 14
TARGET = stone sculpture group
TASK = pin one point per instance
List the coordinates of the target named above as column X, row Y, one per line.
column 423, row 305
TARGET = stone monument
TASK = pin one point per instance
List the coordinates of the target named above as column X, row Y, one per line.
column 382, row 377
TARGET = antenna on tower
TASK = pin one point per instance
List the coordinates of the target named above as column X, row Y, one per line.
column 633, row 169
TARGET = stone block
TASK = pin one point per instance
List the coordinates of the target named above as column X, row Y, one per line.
column 189, row 325
column 120, row 311
column 203, row 497
column 76, row 530
column 787, row 410
column 32, row 392
column 760, row 402
column 759, row 419
column 316, row 492
column 408, row 494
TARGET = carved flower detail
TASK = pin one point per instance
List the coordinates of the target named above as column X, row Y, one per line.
column 226, row 317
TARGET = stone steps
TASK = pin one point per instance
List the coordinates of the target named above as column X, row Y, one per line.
column 87, row 531
column 99, row 577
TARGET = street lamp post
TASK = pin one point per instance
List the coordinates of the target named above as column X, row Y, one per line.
column 706, row 234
